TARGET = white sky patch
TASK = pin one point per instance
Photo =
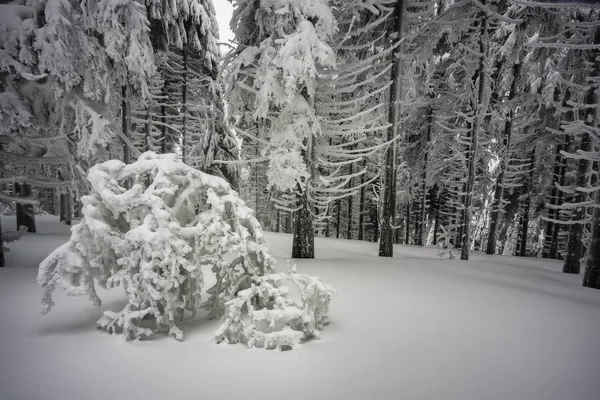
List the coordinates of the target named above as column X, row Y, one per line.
column 224, row 11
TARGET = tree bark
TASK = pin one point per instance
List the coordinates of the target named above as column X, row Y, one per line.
column 386, row 243
column 2, row 259
column 65, row 208
column 126, row 123
column 472, row 155
column 25, row 212
column 499, row 189
column 526, row 207
column 572, row 264
column 184, row 108
column 338, row 219
column 303, row 242
column 553, row 213
column 407, row 231
column 423, row 203
column 350, row 198
column 591, row 277
column 361, row 210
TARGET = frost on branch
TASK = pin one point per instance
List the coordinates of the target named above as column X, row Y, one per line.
column 265, row 315
column 150, row 227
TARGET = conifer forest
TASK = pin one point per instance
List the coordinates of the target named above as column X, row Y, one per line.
column 321, row 160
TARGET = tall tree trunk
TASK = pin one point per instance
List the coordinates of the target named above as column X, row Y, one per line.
column 163, row 120
column 2, row 259
column 408, row 216
column 338, row 220
column 553, row 254
column 303, row 242
column 472, row 155
column 591, row 277
column 350, row 198
column 553, row 212
column 25, row 212
column 423, row 203
column 65, row 208
column 126, row 123
column 526, row 207
column 575, row 247
column 361, row 209
column 386, row 243
column 499, row 189
column 184, row 108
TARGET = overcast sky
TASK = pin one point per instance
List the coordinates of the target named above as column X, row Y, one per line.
column 224, row 10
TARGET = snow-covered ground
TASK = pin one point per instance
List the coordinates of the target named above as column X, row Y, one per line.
column 411, row 327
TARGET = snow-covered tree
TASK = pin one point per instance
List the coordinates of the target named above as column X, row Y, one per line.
column 154, row 239
column 287, row 42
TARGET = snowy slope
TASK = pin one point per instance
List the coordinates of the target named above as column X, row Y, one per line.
column 412, row 327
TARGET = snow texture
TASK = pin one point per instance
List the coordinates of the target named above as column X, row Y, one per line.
column 413, row 327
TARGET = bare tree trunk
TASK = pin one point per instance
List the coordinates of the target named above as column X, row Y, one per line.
column 338, row 220
column 407, row 219
column 551, row 226
column 278, row 219
column 498, row 191
column 526, row 207
column 303, row 242
column 575, row 247
column 126, row 123
column 472, row 155
column 591, row 277
column 2, row 259
column 163, row 120
column 65, row 208
column 350, row 198
column 361, row 212
column 25, row 212
column 386, row 243
column 423, row 203
column 184, row 108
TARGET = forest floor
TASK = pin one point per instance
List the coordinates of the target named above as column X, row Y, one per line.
column 412, row 327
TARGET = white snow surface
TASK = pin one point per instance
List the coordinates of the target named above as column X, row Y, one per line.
column 412, row 327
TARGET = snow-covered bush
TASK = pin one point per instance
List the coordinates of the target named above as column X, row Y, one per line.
column 151, row 226
column 272, row 318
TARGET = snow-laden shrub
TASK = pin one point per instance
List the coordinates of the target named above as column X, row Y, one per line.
column 266, row 315
column 151, row 226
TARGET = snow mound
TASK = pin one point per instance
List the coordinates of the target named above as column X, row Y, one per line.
column 276, row 320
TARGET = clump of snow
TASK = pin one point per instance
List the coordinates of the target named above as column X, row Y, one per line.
column 276, row 320
column 150, row 227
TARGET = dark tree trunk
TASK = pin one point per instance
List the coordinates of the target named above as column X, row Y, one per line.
column 184, row 108
column 472, row 139
column 423, row 203
column 303, row 242
column 126, row 123
column 361, row 210
column 407, row 231
column 575, row 247
column 278, row 219
column 338, row 220
column 163, row 121
column 2, row 259
column 350, row 198
column 498, row 191
column 436, row 225
column 25, row 212
column 552, row 212
column 304, row 235
column 386, row 244
column 591, row 277
column 65, row 208
column 526, row 208
column 553, row 253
